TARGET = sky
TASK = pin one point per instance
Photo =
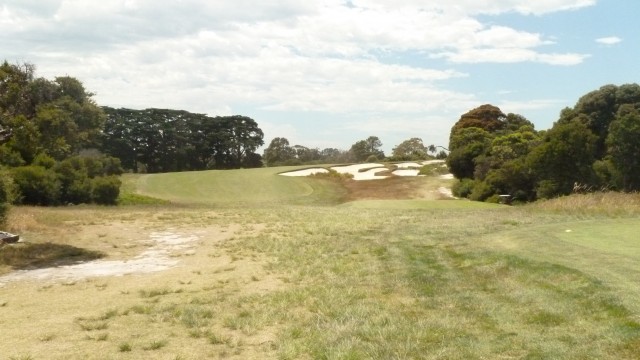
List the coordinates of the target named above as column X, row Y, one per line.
column 328, row 73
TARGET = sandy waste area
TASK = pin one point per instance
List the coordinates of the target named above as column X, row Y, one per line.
column 368, row 171
column 158, row 257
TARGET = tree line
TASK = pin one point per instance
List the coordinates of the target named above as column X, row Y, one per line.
column 48, row 127
column 280, row 152
column 592, row 146
column 57, row 146
column 161, row 140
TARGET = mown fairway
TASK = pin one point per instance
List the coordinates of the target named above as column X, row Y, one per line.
column 235, row 187
column 283, row 268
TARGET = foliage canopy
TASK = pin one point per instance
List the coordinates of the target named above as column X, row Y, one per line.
column 592, row 146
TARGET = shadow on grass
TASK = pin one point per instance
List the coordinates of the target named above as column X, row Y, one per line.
column 26, row 256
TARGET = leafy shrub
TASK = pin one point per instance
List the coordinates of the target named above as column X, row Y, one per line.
column 462, row 188
column 7, row 195
column 547, row 189
column 37, row 185
column 332, row 174
column 105, row 190
column 75, row 184
column 481, row 191
column 44, row 160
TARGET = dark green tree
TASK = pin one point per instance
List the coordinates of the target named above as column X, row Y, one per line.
column 466, row 145
column 57, row 118
column 623, row 144
column 162, row 140
column 365, row 149
column 487, row 117
column 278, row 152
column 411, row 149
column 564, row 159
column 597, row 109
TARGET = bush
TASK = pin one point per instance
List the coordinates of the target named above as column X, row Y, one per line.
column 75, row 184
column 332, row 174
column 547, row 189
column 37, row 185
column 7, row 195
column 44, row 160
column 105, row 190
column 462, row 188
column 481, row 191
column 78, row 191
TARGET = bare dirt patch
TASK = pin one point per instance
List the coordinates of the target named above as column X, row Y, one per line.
column 392, row 188
column 144, row 252
column 157, row 257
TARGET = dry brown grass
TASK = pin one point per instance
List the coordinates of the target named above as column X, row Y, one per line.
column 189, row 311
column 601, row 203
column 394, row 188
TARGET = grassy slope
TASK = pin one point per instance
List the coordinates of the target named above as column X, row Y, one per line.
column 365, row 280
column 255, row 186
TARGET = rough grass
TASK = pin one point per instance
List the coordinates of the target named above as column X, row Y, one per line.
column 377, row 279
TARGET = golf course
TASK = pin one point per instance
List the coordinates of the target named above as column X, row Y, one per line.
column 249, row 264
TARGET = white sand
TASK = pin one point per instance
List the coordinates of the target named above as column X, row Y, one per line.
column 407, row 165
column 370, row 174
column 446, row 176
column 359, row 173
column 429, row 162
column 156, row 258
column 305, row 172
column 406, row 172
column 362, row 175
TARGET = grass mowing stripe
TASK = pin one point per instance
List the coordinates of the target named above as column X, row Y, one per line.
column 605, row 249
column 431, row 289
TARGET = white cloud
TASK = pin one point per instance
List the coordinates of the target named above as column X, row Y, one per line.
column 610, row 40
column 510, row 55
column 279, row 55
column 473, row 7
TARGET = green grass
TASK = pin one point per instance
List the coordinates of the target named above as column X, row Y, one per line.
column 237, row 187
column 605, row 249
column 420, row 205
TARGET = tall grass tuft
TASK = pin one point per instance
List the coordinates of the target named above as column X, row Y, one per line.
column 614, row 204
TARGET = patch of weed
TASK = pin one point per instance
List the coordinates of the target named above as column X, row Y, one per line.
column 156, row 345
column 124, row 347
